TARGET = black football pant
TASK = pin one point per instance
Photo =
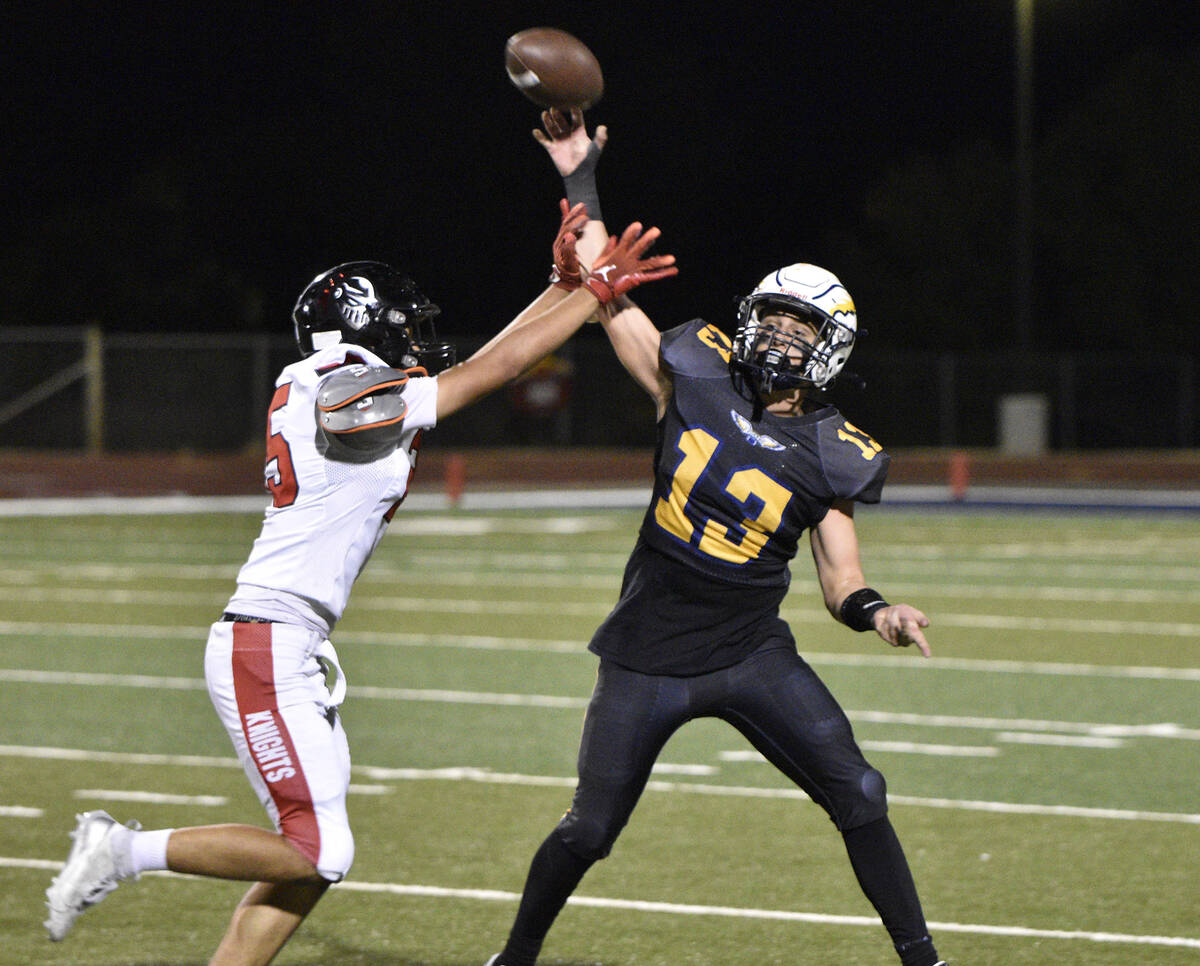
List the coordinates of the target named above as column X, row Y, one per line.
column 777, row 701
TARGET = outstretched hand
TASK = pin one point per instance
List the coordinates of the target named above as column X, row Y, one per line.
column 621, row 266
column 901, row 625
column 566, row 140
column 566, row 273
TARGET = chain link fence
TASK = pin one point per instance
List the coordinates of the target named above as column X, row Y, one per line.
column 78, row 388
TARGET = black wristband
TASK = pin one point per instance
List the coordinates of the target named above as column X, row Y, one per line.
column 858, row 609
column 581, row 184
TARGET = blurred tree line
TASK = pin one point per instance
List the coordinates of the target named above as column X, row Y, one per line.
column 1117, row 205
column 1116, row 233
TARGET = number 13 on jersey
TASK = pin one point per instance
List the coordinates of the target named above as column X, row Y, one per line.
column 717, row 540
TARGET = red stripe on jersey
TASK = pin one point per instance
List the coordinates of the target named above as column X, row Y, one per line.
column 270, row 743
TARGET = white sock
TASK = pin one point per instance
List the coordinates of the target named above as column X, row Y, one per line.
column 140, row 851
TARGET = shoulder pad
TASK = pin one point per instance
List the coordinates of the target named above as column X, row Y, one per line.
column 855, row 465
column 360, row 412
column 348, row 384
column 696, row 349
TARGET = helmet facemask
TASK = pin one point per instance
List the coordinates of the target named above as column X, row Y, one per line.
column 408, row 339
column 767, row 358
column 774, row 359
column 430, row 354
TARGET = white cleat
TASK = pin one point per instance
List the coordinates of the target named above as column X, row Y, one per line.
column 89, row 873
column 494, row 961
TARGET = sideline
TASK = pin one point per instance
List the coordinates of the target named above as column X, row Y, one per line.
column 899, row 497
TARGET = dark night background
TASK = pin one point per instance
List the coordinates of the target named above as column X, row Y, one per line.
column 191, row 166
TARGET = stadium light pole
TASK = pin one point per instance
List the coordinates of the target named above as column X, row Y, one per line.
column 1024, row 164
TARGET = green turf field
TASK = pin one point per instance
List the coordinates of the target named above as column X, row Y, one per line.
column 1043, row 766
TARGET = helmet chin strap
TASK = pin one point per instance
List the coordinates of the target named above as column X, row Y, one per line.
column 757, row 385
column 761, row 388
column 757, row 389
column 766, row 386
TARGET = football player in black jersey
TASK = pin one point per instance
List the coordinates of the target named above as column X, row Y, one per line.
column 747, row 460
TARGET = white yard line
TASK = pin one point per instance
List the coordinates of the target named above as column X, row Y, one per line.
column 599, row 609
column 940, row 751
column 381, row 573
column 1070, row 811
column 1108, row 730
column 109, row 594
column 1062, row 741
column 378, row 773
column 508, row 699
column 432, row 605
column 1064, row 625
column 1043, row 592
column 153, row 798
column 19, row 811
column 777, row 915
column 983, row 665
column 899, row 747
column 46, row 753
column 483, row 642
column 696, row 909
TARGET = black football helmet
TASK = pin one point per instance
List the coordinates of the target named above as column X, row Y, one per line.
column 372, row 305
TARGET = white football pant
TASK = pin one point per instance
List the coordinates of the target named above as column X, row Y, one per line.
column 269, row 689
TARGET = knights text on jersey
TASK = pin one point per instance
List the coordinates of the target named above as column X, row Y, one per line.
column 733, row 495
column 326, row 516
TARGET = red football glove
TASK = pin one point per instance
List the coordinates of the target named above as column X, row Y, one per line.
column 565, row 273
column 621, row 267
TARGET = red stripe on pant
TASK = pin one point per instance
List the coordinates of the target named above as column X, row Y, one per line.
column 267, row 735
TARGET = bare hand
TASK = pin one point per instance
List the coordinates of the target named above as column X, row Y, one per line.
column 566, row 139
column 901, row 625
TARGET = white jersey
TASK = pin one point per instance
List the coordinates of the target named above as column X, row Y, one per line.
column 327, row 516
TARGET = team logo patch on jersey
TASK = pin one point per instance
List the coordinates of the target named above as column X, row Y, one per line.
column 753, row 438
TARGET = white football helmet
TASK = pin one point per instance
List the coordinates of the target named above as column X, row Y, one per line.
column 772, row 360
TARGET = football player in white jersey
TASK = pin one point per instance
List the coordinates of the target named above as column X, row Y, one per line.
column 342, row 437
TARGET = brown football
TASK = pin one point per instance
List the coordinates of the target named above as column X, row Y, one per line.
column 553, row 68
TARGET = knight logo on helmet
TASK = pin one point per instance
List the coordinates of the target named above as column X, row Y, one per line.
column 355, row 298
column 770, row 359
column 372, row 305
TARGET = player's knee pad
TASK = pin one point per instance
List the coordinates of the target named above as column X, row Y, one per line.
column 864, row 802
column 589, row 838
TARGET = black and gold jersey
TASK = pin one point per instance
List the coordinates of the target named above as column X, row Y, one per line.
column 733, row 495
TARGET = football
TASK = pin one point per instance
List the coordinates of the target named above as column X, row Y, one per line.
column 553, row 68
